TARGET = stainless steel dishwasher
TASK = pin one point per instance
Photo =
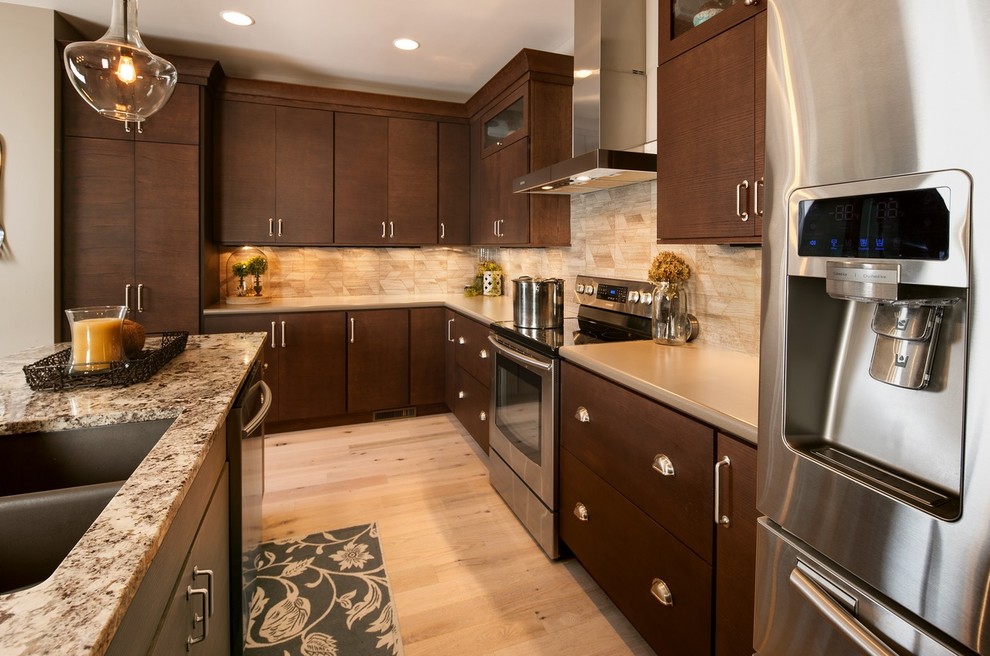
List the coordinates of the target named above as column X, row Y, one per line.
column 246, row 454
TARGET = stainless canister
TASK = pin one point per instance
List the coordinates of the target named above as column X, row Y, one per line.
column 538, row 302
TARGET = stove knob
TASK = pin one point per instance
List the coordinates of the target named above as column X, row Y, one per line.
column 647, row 298
column 589, row 289
column 579, row 288
column 634, row 297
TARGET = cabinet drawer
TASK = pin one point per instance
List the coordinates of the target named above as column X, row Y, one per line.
column 626, row 551
column 473, row 349
column 621, row 441
column 471, row 406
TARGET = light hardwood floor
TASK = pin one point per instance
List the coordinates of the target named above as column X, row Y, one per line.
column 467, row 578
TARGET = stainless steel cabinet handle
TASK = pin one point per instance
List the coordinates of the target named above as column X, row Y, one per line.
column 352, row 330
column 483, row 416
column 757, row 210
column 495, row 227
column 273, row 334
column 127, row 297
column 280, row 227
column 450, row 326
column 838, row 616
column 483, row 354
column 582, row 415
column 720, row 519
column 140, row 297
column 742, row 214
column 391, row 230
column 208, row 573
column 197, row 618
column 581, row 511
column 271, row 227
column 383, row 230
column 661, row 592
column 283, row 334
column 442, row 232
column 663, row 464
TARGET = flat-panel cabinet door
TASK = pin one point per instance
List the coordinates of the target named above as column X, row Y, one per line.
column 304, row 181
column 377, row 360
column 735, row 543
column 312, row 365
column 166, row 237
column 427, row 361
column 412, row 181
column 245, row 171
column 513, row 162
column 360, row 179
column 198, row 619
column 98, row 222
column 454, row 171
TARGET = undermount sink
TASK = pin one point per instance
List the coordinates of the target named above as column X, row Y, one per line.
column 53, row 486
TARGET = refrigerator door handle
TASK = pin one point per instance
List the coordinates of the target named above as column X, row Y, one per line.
column 838, row 616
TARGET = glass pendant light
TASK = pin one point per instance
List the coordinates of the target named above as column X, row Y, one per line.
column 118, row 76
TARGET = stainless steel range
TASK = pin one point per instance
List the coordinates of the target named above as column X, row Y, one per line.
column 526, row 388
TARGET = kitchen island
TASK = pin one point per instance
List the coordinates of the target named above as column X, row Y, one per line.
column 79, row 608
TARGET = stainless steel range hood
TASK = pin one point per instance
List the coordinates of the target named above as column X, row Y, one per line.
column 612, row 104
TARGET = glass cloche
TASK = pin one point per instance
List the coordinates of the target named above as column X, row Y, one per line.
column 246, row 277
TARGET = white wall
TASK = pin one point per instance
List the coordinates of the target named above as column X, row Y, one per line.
column 27, row 182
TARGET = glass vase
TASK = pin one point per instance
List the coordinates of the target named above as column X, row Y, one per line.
column 671, row 322
column 97, row 337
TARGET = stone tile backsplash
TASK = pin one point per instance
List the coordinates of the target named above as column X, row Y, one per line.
column 613, row 233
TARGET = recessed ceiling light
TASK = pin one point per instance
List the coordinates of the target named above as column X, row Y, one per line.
column 582, row 73
column 236, row 18
column 405, row 44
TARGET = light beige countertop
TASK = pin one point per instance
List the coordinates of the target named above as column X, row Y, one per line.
column 78, row 608
column 715, row 386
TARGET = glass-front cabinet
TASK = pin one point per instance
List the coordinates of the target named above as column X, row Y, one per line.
column 687, row 23
column 505, row 124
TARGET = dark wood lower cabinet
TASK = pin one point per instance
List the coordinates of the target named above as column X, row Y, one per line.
column 469, row 375
column 637, row 562
column 472, row 406
column 427, row 340
column 312, row 365
column 377, row 360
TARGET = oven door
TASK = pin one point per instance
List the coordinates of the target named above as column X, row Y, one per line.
column 524, row 402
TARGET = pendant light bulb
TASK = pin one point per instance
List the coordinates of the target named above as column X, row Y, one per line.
column 117, row 75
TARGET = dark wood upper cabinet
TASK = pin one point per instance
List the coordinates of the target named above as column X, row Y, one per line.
column 710, row 139
column 454, row 184
column 386, row 184
column 275, row 175
column 685, row 24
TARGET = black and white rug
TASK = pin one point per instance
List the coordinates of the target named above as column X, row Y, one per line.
column 326, row 594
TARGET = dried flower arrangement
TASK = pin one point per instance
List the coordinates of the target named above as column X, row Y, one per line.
column 669, row 267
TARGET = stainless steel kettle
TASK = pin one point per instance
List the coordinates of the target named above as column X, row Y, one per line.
column 538, row 302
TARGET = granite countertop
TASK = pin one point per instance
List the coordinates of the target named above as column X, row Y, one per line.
column 78, row 609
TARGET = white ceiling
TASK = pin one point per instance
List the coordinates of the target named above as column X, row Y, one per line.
column 347, row 44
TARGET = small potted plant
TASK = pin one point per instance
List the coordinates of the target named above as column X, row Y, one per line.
column 240, row 270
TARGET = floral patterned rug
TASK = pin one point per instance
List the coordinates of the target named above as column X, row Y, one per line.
column 326, row 594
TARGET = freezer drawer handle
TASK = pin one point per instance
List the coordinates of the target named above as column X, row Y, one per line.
column 663, row 464
column 661, row 592
column 720, row 519
column 581, row 511
column 832, row 611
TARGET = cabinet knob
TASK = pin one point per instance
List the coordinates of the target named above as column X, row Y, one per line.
column 483, row 416
column 581, row 511
column 751, row 3
column 483, row 354
column 461, row 341
column 663, row 464
column 582, row 415
column 461, row 394
column 661, row 592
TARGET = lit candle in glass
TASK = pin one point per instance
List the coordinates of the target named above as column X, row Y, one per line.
column 97, row 337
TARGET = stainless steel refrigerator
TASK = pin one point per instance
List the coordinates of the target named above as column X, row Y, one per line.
column 874, row 424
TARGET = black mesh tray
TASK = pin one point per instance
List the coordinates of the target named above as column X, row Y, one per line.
column 52, row 372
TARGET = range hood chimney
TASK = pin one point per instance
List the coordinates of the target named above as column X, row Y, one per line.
column 612, row 104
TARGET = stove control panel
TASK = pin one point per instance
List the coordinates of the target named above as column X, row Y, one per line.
column 628, row 296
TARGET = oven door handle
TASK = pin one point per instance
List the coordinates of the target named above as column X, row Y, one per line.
column 519, row 357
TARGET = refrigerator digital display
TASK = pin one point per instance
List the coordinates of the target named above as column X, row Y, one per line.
column 902, row 225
